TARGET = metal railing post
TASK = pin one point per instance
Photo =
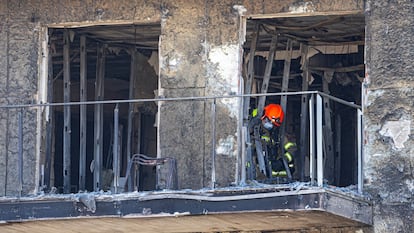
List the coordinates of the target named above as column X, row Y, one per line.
column 129, row 143
column 115, row 149
column 243, row 157
column 213, row 144
column 20, row 136
column 312, row 139
column 319, row 138
column 360, row 154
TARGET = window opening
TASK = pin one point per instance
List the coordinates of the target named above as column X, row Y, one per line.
column 327, row 55
column 104, row 62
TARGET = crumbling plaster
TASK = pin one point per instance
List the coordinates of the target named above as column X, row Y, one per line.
column 388, row 114
column 3, row 97
column 196, row 38
column 145, row 84
column 18, row 82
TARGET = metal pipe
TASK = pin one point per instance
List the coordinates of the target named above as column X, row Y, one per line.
column 319, row 138
column 115, row 149
column 213, row 144
column 20, row 136
column 360, row 153
column 311, row 139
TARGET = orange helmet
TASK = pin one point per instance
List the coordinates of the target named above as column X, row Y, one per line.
column 273, row 113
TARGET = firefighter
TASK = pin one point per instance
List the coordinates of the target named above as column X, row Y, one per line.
column 277, row 167
column 272, row 116
column 271, row 120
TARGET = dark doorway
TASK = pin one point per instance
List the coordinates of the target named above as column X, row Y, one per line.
column 322, row 53
column 99, row 63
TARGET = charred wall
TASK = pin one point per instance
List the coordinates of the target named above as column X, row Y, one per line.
column 18, row 81
column 389, row 117
column 200, row 55
column 182, row 55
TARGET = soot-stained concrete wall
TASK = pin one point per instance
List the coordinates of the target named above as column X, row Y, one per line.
column 389, row 114
column 18, row 81
column 182, row 53
column 200, row 55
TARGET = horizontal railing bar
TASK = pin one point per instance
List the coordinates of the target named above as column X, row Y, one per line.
column 179, row 99
column 340, row 100
column 155, row 99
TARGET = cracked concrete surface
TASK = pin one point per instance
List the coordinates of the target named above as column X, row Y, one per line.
column 196, row 38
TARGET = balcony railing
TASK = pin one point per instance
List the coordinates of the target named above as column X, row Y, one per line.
column 315, row 151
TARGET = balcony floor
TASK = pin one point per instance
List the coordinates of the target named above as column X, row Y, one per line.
column 267, row 208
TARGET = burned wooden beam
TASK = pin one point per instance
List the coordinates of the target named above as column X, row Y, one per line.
column 49, row 125
column 64, row 61
column 283, row 101
column 291, row 76
column 339, row 69
column 250, row 73
column 329, row 161
column 267, row 73
column 304, row 134
column 131, row 111
column 82, row 121
column 66, row 115
column 98, row 123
